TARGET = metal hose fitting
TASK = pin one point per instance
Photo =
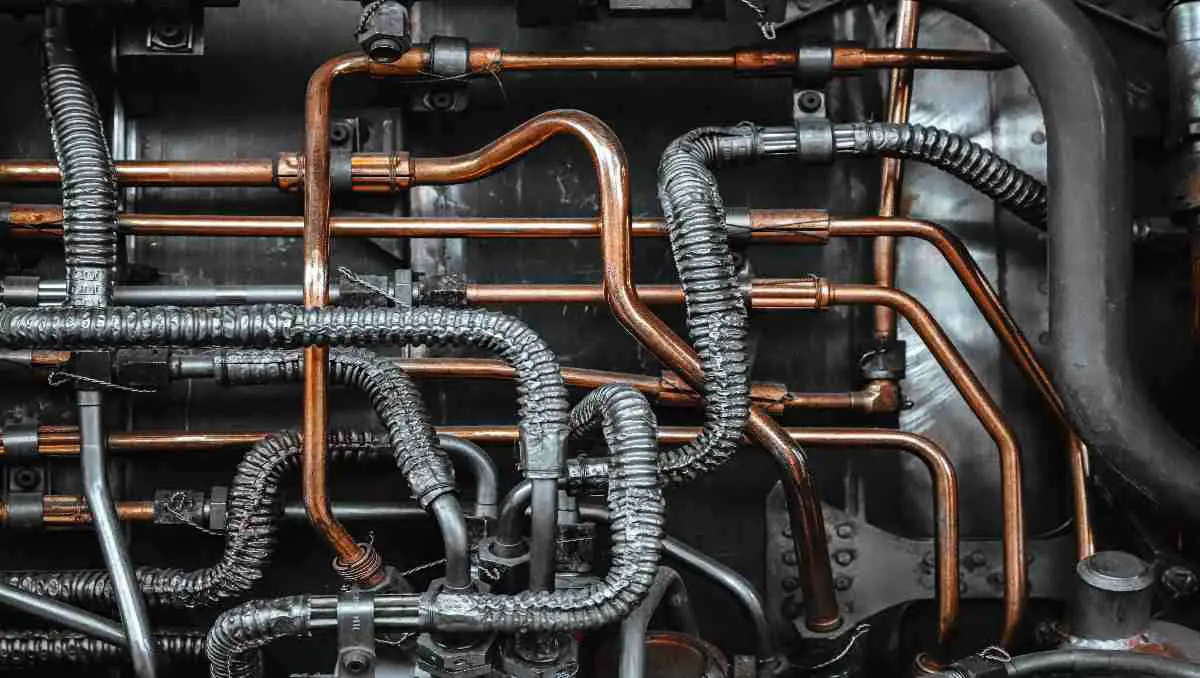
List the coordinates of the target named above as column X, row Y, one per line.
column 1010, row 186
column 638, row 511
column 23, row 649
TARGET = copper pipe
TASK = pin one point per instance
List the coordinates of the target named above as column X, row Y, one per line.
column 821, row 611
column 945, row 482
column 892, row 178
column 990, row 416
column 859, row 58
column 769, row 225
column 1011, row 337
column 765, row 293
column 68, row 510
column 257, row 172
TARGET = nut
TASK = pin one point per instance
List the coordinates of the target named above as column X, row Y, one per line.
column 383, row 31
column 443, row 661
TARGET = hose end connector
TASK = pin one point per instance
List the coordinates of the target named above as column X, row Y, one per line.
column 810, row 140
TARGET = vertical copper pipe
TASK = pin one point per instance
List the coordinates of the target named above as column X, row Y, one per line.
column 1011, row 337
column 892, row 179
column 977, row 396
column 351, row 557
column 821, row 610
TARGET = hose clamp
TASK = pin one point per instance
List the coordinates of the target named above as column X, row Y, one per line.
column 341, row 171
column 991, row 662
column 814, row 63
column 356, row 634
column 25, row 510
column 20, row 442
column 449, row 57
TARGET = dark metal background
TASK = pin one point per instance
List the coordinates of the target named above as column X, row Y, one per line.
column 244, row 98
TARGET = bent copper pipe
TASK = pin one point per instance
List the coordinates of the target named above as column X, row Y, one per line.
column 977, row 397
column 821, row 611
column 883, row 250
column 1011, row 337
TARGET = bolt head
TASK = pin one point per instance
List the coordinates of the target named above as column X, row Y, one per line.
column 844, row 530
column 843, row 557
column 843, row 583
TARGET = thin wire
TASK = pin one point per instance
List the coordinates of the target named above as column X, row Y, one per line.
column 61, row 377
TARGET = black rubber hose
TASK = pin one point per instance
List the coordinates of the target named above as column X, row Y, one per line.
column 235, row 637
column 89, row 181
column 636, row 505
column 1091, row 252
column 394, row 397
column 1011, row 187
column 401, row 408
column 250, row 535
column 716, row 309
column 24, row 649
column 541, row 393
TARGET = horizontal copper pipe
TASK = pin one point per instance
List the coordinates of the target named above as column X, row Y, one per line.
column 68, row 510
column 857, row 59
column 765, row 293
column 769, row 225
column 257, row 172
column 73, row 511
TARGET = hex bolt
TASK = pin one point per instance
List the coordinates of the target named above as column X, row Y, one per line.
column 789, row 557
column 809, row 101
column 844, row 530
column 844, row 557
column 843, row 582
column 790, row 584
column 977, row 559
column 356, row 660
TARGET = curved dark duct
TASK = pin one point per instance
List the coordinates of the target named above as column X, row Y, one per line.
column 1091, row 252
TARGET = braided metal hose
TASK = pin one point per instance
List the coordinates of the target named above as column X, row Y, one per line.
column 250, row 535
column 393, row 395
column 541, row 393
column 716, row 311
column 638, row 512
column 236, row 636
column 89, row 184
column 1010, row 186
column 21, row 649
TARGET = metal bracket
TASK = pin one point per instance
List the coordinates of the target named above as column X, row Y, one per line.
column 875, row 570
column 356, row 635
column 165, row 33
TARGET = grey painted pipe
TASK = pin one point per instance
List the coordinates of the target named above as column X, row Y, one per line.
column 483, row 469
column 54, row 292
column 130, row 603
column 727, row 578
column 669, row 588
column 63, row 614
column 1091, row 251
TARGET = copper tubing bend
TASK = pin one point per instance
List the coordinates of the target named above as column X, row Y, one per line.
column 821, row 610
column 980, row 401
column 353, row 559
column 1011, row 337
